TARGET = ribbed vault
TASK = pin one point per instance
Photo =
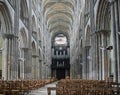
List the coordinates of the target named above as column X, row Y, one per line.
column 59, row 15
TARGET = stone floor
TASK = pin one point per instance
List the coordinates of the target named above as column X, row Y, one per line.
column 43, row 90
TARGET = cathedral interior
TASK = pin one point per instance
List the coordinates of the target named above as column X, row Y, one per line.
column 55, row 39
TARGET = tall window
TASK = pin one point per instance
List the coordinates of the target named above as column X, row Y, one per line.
column 60, row 40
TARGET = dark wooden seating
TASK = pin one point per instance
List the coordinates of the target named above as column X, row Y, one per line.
column 19, row 87
column 87, row 87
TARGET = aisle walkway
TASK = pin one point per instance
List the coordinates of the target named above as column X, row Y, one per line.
column 43, row 90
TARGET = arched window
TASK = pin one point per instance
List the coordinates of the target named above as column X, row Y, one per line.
column 60, row 40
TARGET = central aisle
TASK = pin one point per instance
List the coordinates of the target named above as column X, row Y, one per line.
column 43, row 90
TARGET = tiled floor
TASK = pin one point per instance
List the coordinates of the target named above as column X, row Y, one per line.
column 43, row 90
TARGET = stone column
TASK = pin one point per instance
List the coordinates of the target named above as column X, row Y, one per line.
column 40, row 68
column 95, row 64
column 37, row 66
column 93, row 56
column 98, row 64
column 117, row 4
column 114, row 36
column 34, row 67
column 84, row 64
column 26, row 64
column 22, row 74
column 9, row 56
column 92, row 29
column 103, row 56
column 12, row 58
column 9, row 64
column 5, row 60
column 15, row 58
column 15, row 46
column 71, row 70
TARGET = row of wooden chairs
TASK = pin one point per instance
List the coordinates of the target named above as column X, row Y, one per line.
column 19, row 87
column 87, row 87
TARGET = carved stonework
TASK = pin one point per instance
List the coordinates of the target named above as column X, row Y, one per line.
column 13, row 3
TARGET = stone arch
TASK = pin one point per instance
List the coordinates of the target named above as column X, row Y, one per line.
column 103, row 16
column 23, row 45
column 51, row 2
column 5, row 19
column 102, row 37
column 103, row 23
column 49, row 13
column 5, row 33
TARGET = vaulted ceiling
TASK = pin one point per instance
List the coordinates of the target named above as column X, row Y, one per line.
column 59, row 15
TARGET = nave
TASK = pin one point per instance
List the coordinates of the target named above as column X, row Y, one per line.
column 45, row 39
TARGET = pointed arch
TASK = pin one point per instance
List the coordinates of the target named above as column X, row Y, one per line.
column 5, row 28
column 5, row 19
column 103, row 16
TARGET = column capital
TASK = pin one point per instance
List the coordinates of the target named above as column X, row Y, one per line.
column 103, row 31
column 10, row 36
column 25, row 48
column 35, row 55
